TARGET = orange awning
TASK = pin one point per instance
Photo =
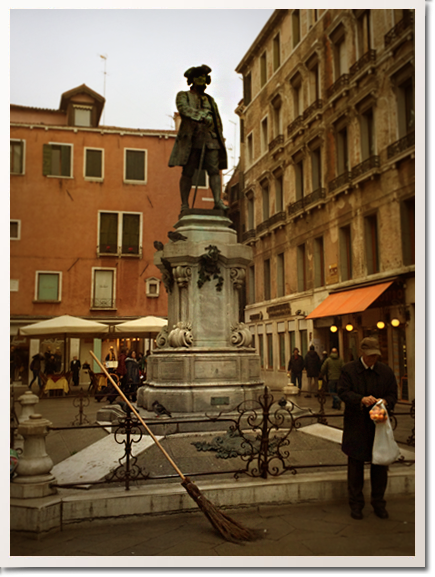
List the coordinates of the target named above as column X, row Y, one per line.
column 351, row 301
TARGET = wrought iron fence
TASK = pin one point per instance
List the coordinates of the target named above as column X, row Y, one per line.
column 276, row 142
column 298, row 121
column 340, row 181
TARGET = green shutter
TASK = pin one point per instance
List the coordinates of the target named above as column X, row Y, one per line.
column 130, row 233
column 48, row 287
column 135, row 165
column 108, row 232
column 46, row 159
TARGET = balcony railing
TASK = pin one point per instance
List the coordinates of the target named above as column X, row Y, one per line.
column 306, row 200
column 248, row 235
column 103, row 303
column 368, row 58
column 340, row 181
column 401, row 26
column 262, row 226
column 277, row 217
column 342, row 82
column 295, row 124
column 365, row 166
column 276, row 142
column 317, row 105
column 400, row 145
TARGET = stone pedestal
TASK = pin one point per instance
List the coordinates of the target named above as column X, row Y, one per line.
column 204, row 360
column 33, row 471
column 28, row 401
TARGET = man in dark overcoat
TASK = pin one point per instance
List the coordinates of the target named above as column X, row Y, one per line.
column 200, row 132
column 362, row 383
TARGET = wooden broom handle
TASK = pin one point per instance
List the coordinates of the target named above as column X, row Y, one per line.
column 138, row 416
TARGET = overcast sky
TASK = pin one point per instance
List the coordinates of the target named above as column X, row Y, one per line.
column 147, row 52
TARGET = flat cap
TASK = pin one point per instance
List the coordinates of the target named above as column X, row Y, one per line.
column 370, row 346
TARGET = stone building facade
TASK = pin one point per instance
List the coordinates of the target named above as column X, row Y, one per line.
column 325, row 193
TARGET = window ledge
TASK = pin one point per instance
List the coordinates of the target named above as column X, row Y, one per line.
column 103, row 308
column 47, row 302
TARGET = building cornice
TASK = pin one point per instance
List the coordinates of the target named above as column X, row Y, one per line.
column 100, row 129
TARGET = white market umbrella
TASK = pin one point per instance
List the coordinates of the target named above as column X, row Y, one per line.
column 66, row 326
column 145, row 327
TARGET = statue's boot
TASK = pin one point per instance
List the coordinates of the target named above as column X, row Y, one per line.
column 185, row 188
column 215, row 185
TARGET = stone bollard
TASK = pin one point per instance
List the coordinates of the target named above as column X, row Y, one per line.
column 27, row 402
column 33, row 471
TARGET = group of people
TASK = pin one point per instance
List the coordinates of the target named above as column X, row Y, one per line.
column 326, row 370
column 360, row 384
column 130, row 369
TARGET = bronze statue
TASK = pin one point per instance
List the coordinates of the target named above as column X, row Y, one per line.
column 200, row 142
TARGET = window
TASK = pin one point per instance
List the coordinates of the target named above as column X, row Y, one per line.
column 249, row 149
column 299, row 179
column 247, row 88
column 251, row 287
column 367, row 134
column 277, row 128
column 345, row 253
column 279, row 193
column 276, row 53
column 316, row 169
column 57, row 160
column 292, row 340
column 342, row 151
column 265, row 197
column 103, row 288
column 269, row 351
column 363, row 32
column 17, row 156
column 281, row 344
column 296, row 27
column 250, row 207
column 82, row 115
column 263, row 69
column 338, row 39
column 302, row 268
column 261, row 350
column 264, row 136
column 120, row 232
column 406, row 107
column 266, row 271
column 319, row 262
column 48, row 286
column 280, row 275
column 152, row 287
column 296, row 84
column 304, row 342
column 15, row 229
column 15, row 285
column 408, row 231
column 314, row 82
column 371, row 244
column 135, row 168
column 94, row 163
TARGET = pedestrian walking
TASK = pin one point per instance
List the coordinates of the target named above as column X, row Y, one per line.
column 133, row 377
column 331, row 368
column 362, row 383
column 121, row 369
column 313, row 365
column 75, row 367
column 35, row 367
column 295, row 368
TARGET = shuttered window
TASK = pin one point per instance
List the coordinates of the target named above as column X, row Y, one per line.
column 120, row 233
column 47, row 286
column 135, row 166
column 130, row 233
column 93, row 163
column 108, row 232
column 57, row 160
column 17, row 157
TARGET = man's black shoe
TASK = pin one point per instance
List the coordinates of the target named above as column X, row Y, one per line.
column 356, row 515
column 381, row 513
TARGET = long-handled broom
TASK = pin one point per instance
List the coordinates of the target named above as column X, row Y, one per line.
column 230, row 529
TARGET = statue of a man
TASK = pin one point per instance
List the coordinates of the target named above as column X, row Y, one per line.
column 199, row 137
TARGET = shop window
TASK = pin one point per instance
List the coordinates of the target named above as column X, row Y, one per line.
column 281, row 344
column 264, row 136
column 345, row 253
column 266, row 199
column 135, row 166
column 57, row 160
column 296, row 27
column 94, row 163
column 276, row 53
column 302, row 267
column 103, row 288
column 48, row 286
column 319, row 262
column 15, row 229
column 251, row 285
column 120, row 233
column 371, row 244
column 263, row 69
column 408, row 231
column 280, row 274
column 266, row 277
column 17, row 155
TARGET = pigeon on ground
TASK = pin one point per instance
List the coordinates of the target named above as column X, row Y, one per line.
column 159, row 409
column 174, row 236
column 158, row 245
column 282, row 402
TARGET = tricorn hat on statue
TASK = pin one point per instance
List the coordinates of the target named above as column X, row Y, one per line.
column 195, row 71
column 370, row 346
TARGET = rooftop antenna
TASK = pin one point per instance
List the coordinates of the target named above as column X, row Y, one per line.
column 104, row 89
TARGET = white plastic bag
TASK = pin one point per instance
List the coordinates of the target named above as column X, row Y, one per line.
column 385, row 448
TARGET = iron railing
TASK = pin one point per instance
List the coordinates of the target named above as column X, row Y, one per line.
column 305, row 201
column 297, row 122
column 339, row 84
column 340, row 181
column 316, row 105
column 401, row 145
column 365, row 60
column 277, row 141
column 398, row 29
column 365, row 166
